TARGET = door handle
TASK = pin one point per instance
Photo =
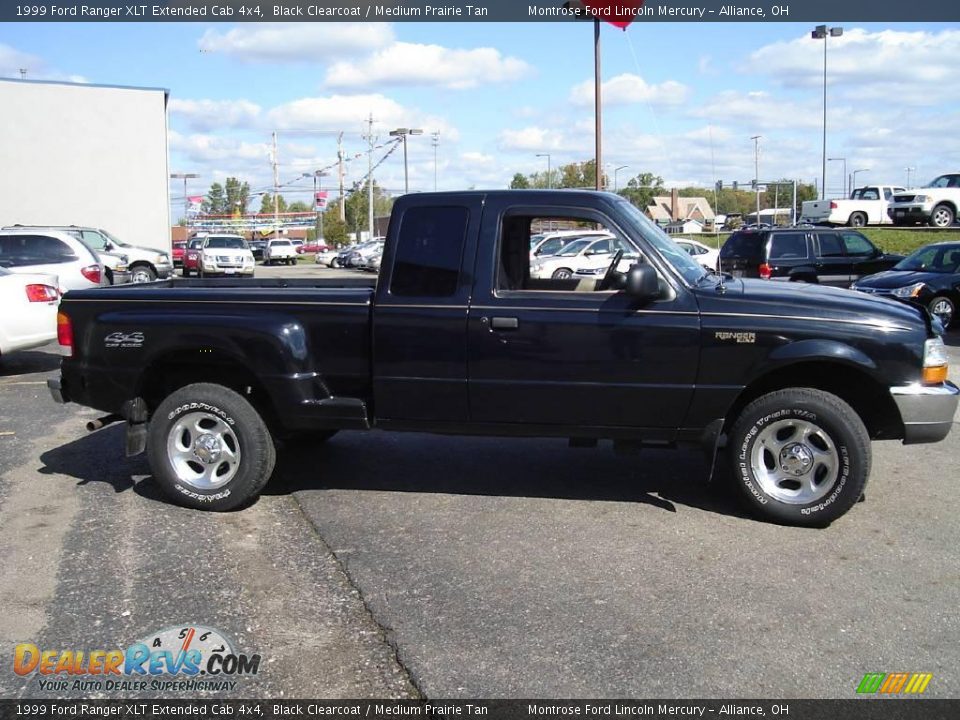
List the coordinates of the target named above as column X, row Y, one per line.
column 505, row 323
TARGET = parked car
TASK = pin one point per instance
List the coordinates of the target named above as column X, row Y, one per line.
column 582, row 253
column 550, row 243
column 116, row 268
column 786, row 386
column 328, row 257
column 146, row 264
column 52, row 252
column 191, row 257
column 176, row 253
column 822, row 255
column 297, row 246
column 29, row 317
column 225, row 255
column 312, row 246
column 929, row 276
column 257, row 247
column 279, row 252
column 703, row 254
column 867, row 205
column 358, row 256
column 935, row 203
column 343, row 256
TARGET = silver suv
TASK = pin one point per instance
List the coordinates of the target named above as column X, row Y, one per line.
column 28, row 250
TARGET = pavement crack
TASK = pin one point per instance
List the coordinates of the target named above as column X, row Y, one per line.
column 387, row 635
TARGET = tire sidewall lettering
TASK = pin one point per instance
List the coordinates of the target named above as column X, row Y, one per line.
column 214, row 410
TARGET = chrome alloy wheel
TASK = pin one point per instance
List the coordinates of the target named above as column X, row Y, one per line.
column 795, row 462
column 943, row 309
column 203, row 450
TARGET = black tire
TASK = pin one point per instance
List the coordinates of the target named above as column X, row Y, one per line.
column 334, row 263
column 243, row 427
column 773, row 421
column 943, row 307
column 145, row 273
column 942, row 216
column 857, row 219
column 108, row 273
column 562, row 274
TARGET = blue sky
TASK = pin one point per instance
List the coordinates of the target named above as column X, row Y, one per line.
column 681, row 100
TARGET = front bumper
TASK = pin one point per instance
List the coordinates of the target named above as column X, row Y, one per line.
column 927, row 411
column 915, row 212
column 164, row 271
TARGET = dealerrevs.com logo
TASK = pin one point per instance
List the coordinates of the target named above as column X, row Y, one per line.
column 186, row 658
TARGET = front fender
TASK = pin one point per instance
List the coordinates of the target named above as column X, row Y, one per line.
column 819, row 350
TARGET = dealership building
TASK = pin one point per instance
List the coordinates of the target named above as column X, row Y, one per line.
column 84, row 154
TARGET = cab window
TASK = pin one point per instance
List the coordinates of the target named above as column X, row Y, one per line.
column 429, row 251
column 857, row 245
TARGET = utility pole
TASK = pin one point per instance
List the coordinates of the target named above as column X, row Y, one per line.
column 276, row 190
column 370, row 140
column 343, row 213
column 435, row 142
column 756, row 171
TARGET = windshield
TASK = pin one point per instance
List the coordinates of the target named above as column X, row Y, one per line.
column 113, row 239
column 573, row 248
column 275, row 243
column 232, row 243
column 689, row 268
column 937, row 259
column 944, row 181
column 534, row 239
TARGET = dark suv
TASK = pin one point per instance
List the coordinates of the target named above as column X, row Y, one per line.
column 829, row 256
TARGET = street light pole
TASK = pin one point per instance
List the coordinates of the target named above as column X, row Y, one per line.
column 909, row 170
column 756, row 171
column 822, row 32
column 435, row 141
column 549, row 180
column 616, row 185
column 844, row 161
column 402, row 133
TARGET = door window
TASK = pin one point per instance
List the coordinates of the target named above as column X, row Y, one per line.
column 857, row 245
column 24, row 250
column 94, row 239
column 830, row 245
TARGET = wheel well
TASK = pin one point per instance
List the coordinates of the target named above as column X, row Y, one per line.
column 869, row 399
column 204, row 366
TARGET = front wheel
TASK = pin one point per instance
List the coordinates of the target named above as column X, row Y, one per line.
column 142, row 274
column 942, row 307
column 942, row 216
column 334, row 263
column 800, row 456
column 562, row 274
column 209, row 448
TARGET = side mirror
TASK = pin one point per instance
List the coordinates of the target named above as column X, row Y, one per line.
column 642, row 282
column 108, row 246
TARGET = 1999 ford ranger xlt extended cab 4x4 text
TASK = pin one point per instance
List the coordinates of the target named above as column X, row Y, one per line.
column 788, row 382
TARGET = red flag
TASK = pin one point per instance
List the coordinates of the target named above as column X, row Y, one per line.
column 619, row 13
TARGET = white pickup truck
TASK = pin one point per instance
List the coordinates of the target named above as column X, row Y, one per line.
column 935, row 204
column 867, row 206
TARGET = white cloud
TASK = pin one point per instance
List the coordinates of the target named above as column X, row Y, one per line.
column 888, row 65
column 216, row 114
column 295, row 42
column 204, row 148
column 417, row 64
column 759, row 110
column 349, row 113
column 628, row 88
column 13, row 60
column 533, row 139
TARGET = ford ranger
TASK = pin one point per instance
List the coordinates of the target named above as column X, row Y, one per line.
column 787, row 384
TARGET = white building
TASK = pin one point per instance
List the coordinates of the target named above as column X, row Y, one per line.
column 79, row 154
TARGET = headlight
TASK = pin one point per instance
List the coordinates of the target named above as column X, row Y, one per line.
column 920, row 198
column 910, row 291
column 934, row 361
column 161, row 259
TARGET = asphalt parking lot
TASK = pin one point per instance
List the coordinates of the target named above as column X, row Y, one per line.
column 395, row 565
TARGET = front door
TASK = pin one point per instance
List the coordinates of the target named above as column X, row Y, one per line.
column 833, row 265
column 567, row 353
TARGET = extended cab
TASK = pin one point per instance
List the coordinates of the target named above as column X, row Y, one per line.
column 935, row 204
column 866, row 206
column 788, row 382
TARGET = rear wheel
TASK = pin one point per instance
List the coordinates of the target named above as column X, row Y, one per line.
column 942, row 307
column 857, row 219
column 942, row 216
column 562, row 274
column 209, row 448
column 800, row 456
column 334, row 263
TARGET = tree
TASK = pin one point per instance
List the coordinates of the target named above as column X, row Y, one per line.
column 578, row 175
column 642, row 188
column 355, row 206
column 216, row 202
column 519, row 182
column 266, row 204
column 299, row 206
column 237, row 196
column 334, row 229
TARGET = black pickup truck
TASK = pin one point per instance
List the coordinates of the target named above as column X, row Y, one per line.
column 788, row 382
